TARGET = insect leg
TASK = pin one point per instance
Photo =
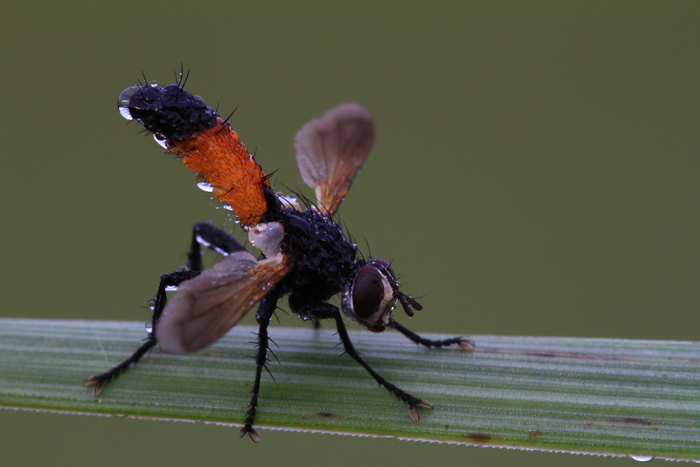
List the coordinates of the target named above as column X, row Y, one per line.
column 265, row 310
column 327, row 311
column 466, row 344
column 213, row 238
column 166, row 280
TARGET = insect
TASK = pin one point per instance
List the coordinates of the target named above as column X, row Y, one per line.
column 304, row 254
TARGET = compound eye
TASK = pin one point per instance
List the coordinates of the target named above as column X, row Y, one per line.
column 368, row 291
column 386, row 266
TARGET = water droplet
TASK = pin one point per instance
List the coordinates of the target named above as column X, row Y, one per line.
column 203, row 242
column 641, row 458
column 204, row 186
column 154, row 83
column 170, row 288
column 124, row 99
column 226, row 206
column 119, row 415
column 161, row 141
column 124, row 112
column 289, row 201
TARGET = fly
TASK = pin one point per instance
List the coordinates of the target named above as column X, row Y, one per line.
column 304, row 254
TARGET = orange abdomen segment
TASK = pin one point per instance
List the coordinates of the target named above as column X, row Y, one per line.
column 224, row 161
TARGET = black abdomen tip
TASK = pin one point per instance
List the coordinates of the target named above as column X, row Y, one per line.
column 170, row 111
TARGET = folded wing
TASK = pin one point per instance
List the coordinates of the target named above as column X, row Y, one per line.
column 206, row 307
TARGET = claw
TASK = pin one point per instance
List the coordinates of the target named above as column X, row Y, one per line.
column 99, row 385
column 466, row 344
column 424, row 403
column 413, row 410
column 250, row 431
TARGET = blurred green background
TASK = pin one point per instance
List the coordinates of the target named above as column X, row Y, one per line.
column 535, row 172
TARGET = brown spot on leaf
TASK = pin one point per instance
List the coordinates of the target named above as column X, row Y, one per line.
column 541, row 354
column 631, row 421
column 479, row 438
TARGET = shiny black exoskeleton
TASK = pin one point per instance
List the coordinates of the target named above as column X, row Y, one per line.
column 324, row 261
column 168, row 110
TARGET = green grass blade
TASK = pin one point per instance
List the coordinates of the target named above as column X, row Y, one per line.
column 599, row 396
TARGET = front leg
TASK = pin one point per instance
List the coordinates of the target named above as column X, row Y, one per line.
column 323, row 310
column 466, row 344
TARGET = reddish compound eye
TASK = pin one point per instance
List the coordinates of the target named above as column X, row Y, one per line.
column 368, row 291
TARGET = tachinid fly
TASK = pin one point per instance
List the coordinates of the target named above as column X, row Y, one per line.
column 304, row 254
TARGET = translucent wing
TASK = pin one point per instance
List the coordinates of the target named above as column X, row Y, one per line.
column 206, row 307
column 331, row 150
